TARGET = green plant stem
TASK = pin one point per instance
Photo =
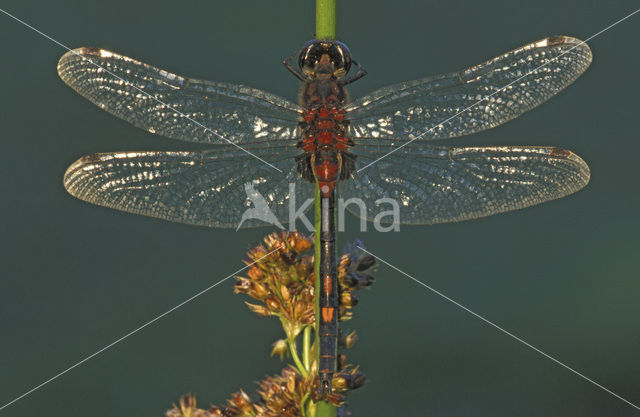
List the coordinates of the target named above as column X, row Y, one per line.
column 325, row 409
column 313, row 409
column 296, row 359
column 306, row 347
column 303, row 405
column 316, row 260
column 326, row 19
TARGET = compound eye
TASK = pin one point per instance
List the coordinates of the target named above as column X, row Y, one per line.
column 309, row 57
column 341, row 59
column 325, row 57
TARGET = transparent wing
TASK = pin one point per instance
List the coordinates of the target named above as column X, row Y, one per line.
column 221, row 188
column 427, row 108
column 448, row 184
column 160, row 102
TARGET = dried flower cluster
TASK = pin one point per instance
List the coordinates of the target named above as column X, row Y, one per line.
column 282, row 281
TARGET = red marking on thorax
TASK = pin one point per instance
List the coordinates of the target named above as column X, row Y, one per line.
column 325, row 138
column 324, row 124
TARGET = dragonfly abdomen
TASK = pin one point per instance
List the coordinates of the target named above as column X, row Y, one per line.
column 328, row 296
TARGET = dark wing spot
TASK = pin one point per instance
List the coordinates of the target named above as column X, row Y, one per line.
column 556, row 40
column 91, row 158
column 559, row 152
column 91, row 51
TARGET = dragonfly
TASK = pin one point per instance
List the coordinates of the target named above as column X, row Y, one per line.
column 391, row 143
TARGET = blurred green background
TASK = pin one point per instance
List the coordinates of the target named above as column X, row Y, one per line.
column 563, row 276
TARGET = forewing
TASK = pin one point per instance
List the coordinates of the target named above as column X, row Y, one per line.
column 448, row 184
column 178, row 107
column 465, row 102
column 225, row 188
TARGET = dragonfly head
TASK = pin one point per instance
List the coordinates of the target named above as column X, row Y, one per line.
column 325, row 59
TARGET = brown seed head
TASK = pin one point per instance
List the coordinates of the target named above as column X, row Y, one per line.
column 349, row 340
column 281, row 281
column 187, row 408
column 280, row 348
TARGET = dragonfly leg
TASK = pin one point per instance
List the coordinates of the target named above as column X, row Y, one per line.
column 291, row 68
column 361, row 73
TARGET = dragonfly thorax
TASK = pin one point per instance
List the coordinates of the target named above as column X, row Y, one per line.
column 324, row 135
column 322, row 93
